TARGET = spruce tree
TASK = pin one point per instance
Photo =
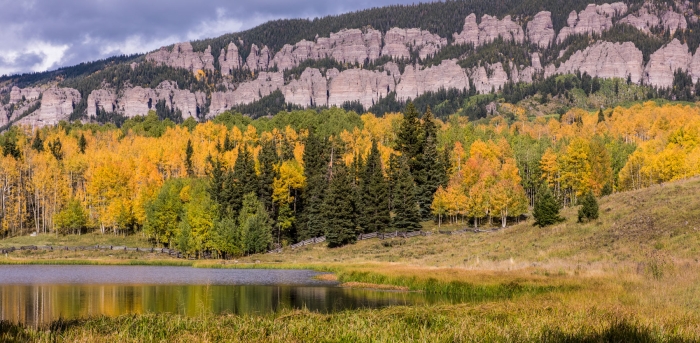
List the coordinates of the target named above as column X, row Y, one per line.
column 268, row 160
column 601, row 116
column 546, row 210
column 310, row 222
column 189, row 167
column 405, row 206
column 240, row 182
column 408, row 137
column 589, row 208
column 373, row 204
column 427, row 172
column 82, row 143
column 38, row 143
column 339, row 208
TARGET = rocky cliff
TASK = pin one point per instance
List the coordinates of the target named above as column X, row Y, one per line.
column 541, row 30
column 594, row 19
column 183, row 56
column 416, row 81
column 604, row 60
column 649, row 16
column 56, row 104
column 664, row 62
column 488, row 30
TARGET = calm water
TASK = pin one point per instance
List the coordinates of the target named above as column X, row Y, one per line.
column 36, row 295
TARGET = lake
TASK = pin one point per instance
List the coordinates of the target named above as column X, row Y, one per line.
column 36, row 295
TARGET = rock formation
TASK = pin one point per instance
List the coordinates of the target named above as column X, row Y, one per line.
column 229, row 59
column 665, row 61
column 540, row 29
column 18, row 94
column 182, row 56
column 647, row 17
column 594, row 19
column 360, row 85
column 604, row 60
column 101, row 99
column 56, row 104
column 397, row 42
column 259, row 59
column 311, row 89
column 415, row 82
column 695, row 66
column 488, row 30
column 489, row 78
column 247, row 92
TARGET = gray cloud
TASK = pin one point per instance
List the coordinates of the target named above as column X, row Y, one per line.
column 42, row 35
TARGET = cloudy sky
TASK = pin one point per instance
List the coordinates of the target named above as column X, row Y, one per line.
column 39, row 35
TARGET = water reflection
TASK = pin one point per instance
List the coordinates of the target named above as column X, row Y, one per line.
column 39, row 303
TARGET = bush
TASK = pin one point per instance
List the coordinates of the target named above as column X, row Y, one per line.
column 589, row 208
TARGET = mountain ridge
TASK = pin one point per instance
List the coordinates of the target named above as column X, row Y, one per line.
column 365, row 65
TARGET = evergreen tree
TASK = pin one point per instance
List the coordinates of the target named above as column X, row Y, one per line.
column 240, row 182
column 82, row 143
column 546, row 210
column 217, row 183
column 601, row 116
column 339, row 208
column 188, row 159
column 589, row 208
column 428, row 172
column 38, row 143
column 405, row 206
column 408, row 137
column 56, row 149
column 268, row 160
column 373, row 204
column 311, row 222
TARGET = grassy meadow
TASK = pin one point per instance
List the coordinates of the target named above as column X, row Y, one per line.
column 633, row 275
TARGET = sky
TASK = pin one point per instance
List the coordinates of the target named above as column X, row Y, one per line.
column 40, row 35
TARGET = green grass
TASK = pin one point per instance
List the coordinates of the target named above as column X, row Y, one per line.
column 88, row 239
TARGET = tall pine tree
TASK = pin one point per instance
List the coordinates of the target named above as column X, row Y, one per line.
column 268, row 159
column 339, row 207
column 310, row 221
column 405, row 206
column 240, row 182
column 428, row 172
column 546, row 209
column 373, row 205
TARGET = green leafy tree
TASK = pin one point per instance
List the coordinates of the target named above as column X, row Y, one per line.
column 589, row 208
column 225, row 238
column 163, row 213
column 254, row 221
column 546, row 210
column 72, row 219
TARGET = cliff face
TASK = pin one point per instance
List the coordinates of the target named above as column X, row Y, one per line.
column 649, row 16
column 664, row 62
column 488, row 30
column 182, row 56
column 604, row 60
column 416, row 81
column 594, row 19
column 56, row 104
column 541, row 30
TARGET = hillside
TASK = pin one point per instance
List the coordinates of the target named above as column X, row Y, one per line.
column 439, row 54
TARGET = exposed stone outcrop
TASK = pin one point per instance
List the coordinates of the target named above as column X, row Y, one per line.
column 311, row 89
column 594, row 19
column 17, row 94
column 604, row 60
column 259, row 59
column 182, row 56
column 138, row 100
column 488, row 30
column 397, row 42
column 101, row 99
column 695, row 66
column 648, row 17
column 229, row 59
column 393, row 70
column 415, row 81
column 489, row 78
column 673, row 21
column 360, row 85
column 540, row 29
column 665, row 61
column 346, row 46
column 56, row 104
column 247, row 92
